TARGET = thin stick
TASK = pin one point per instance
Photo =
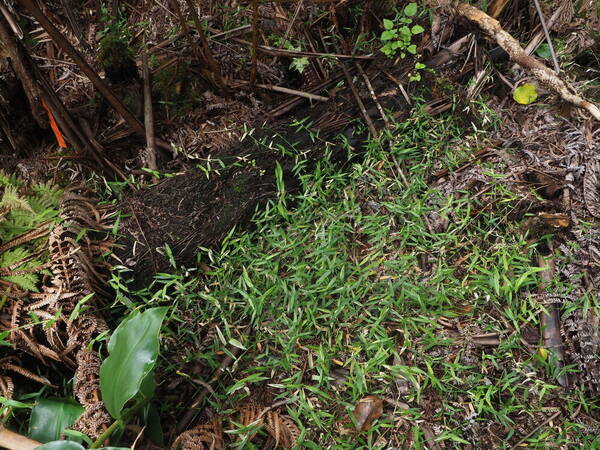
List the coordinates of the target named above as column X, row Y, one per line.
column 540, row 71
column 360, row 103
column 536, row 429
column 149, row 158
column 400, row 86
column 290, row 25
column 254, row 43
column 238, row 30
column 212, row 62
column 285, row 90
column 547, row 34
column 372, row 92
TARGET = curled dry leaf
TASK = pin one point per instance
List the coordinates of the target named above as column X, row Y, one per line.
column 367, row 410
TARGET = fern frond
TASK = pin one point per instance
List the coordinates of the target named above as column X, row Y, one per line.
column 21, row 258
column 13, row 201
column 9, row 180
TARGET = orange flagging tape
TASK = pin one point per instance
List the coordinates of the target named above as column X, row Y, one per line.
column 59, row 137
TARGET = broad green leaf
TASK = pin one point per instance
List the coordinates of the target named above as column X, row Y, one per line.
column 133, row 349
column 387, row 35
column 525, row 94
column 388, row 24
column 412, row 49
column 406, row 34
column 417, row 29
column 410, row 9
column 543, row 51
column 153, row 426
column 148, row 385
column 50, row 417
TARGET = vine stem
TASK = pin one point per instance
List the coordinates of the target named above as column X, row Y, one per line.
column 113, row 426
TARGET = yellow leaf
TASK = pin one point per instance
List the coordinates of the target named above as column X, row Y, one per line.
column 542, row 353
column 525, row 94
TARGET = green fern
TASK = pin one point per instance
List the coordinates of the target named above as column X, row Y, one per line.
column 12, row 259
column 24, row 208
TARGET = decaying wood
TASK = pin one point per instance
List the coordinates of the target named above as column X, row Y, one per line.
column 549, row 319
column 149, row 158
column 541, row 72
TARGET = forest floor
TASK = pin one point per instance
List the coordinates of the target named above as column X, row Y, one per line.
column 403, row 298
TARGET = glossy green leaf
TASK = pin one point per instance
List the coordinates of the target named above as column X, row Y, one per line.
column 388, row 24
column 410, row 9
column 153, row 426
column 525, row 94
column 417, row 29
column 543, row 51
column 133, row 349
column 50, row 417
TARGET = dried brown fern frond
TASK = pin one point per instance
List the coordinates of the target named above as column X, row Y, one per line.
column 7, row 389
column 282, row 429
column 12, row 364
column 94, row 421
column 202, row 437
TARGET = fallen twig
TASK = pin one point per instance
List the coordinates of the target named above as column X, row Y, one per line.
column 511, row 46
column 547, row 34
column 215, row 70
column 295, row 92
column 536, row 429
column 149, row 158
column 361, row 105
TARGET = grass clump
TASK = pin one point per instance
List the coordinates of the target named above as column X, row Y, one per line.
column 353, row 292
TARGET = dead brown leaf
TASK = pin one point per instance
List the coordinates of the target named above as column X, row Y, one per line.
column 367, row 410
column 556, row 220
